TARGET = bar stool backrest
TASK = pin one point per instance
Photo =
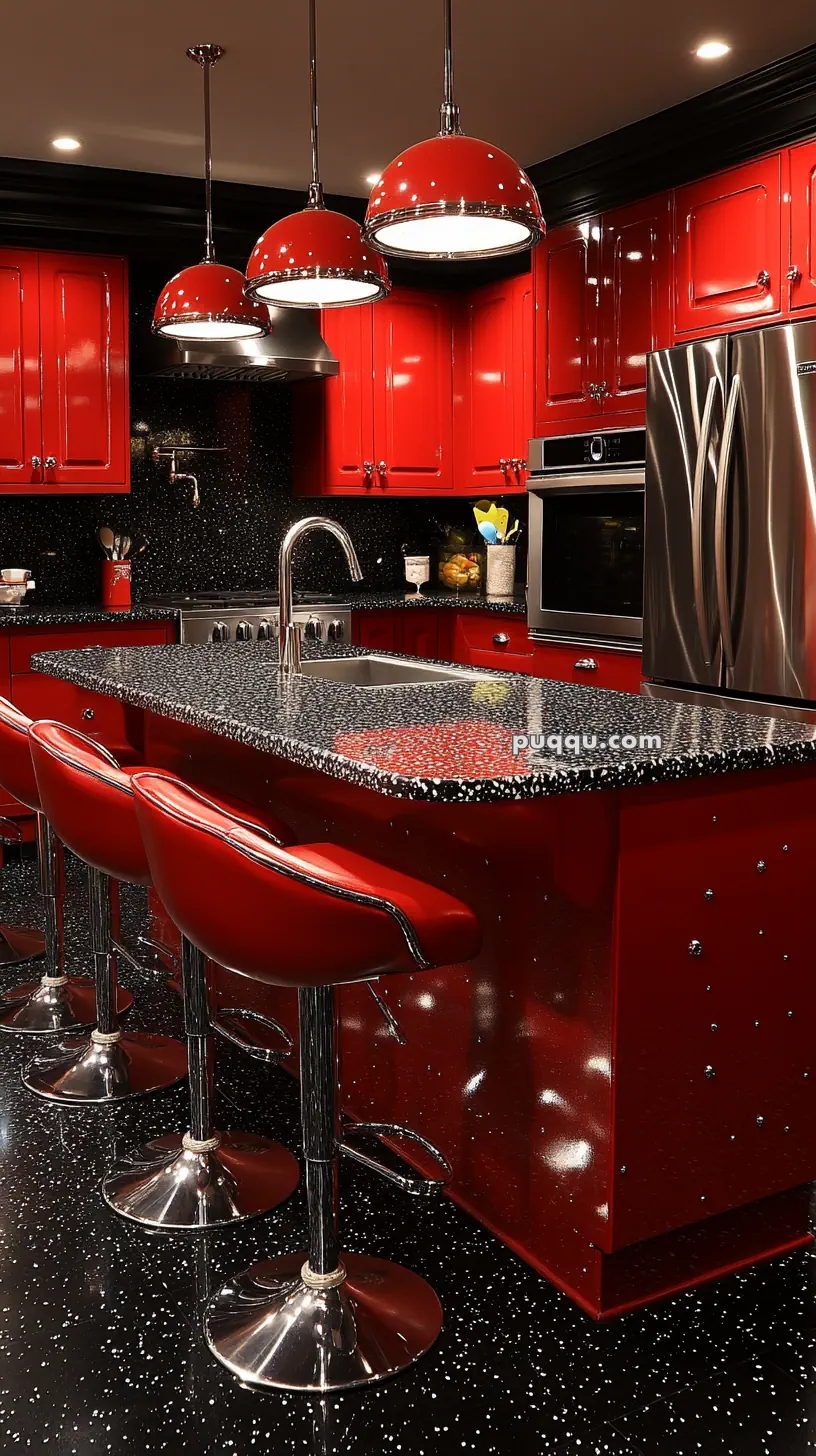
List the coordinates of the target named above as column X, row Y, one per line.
column 16, row 768
column 89, row 801
column 271, row 913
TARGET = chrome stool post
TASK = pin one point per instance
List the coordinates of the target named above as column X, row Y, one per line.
column 58, row 1002
column 203, row 1178
column 326, row 1320
column 112, row 1064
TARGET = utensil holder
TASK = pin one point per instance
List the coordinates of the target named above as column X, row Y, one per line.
column 501, row 571
column 116, row 583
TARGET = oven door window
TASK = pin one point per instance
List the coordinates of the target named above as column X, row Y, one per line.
column 592, row 553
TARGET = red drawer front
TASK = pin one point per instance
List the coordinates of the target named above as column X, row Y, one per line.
column 618, row 670
column 487, row 632
column 92, row 713
column 63, row 639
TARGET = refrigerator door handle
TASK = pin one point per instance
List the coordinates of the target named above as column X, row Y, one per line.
column 721, row 522
column 697, row 519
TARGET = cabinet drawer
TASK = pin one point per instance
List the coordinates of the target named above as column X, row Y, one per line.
column 94, row 714
column 618, row 670
column 491, row 633
column 504, row 661
column 24, row 645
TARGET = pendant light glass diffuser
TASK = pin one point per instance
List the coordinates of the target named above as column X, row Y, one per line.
column 453, row 196
column 315, row 258
column 207, row 301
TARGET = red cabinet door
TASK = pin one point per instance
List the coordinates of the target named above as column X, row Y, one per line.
column 420, row 632
column 620, row 671
column 802, row 266
column 567, row 265
column 380, row 631
column 492, row 383
column 729, row 247
column 636, row 302
column 413, row 391
column 348, row 401
column 20, row 433
column 83, row 341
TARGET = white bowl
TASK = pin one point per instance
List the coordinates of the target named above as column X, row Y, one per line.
column 14, row 575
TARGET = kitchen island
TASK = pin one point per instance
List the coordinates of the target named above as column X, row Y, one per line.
column 624, row 1079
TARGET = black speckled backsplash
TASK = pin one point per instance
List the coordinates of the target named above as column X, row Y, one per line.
column 232, row 540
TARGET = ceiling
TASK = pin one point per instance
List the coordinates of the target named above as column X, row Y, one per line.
column 534, row 78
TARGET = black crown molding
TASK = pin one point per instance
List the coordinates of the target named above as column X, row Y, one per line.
column 767, row 109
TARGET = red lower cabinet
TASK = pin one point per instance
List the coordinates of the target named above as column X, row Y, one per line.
column 588, row 666
column 381, row 631
column 420, row 632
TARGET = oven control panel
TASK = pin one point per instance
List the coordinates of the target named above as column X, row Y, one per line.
column 604, row 449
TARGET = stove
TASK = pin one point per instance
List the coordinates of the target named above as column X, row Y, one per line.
column 253, row 616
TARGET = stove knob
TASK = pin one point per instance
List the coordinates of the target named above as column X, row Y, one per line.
column 264, row 632
column 243, row 632
column 314, row 629
column 220, row 632
column 336, row 630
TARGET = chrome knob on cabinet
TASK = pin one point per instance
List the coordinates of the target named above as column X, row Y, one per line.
column 382, row 468
column 220, row 632
column 586, row 664
column 504, row 465
column 794, row 275
column 36, row 462
column 764, row 278
column 368, row 472
column 264, row 633
column 243, row 632
column 336, row 631
column 88, row 714
column 50, row 462
column 501, row 639
column 314, row 629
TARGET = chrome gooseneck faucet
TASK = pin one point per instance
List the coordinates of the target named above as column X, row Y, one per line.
column 289, row 631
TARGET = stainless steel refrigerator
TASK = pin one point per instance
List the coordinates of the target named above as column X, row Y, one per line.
column 729, row 607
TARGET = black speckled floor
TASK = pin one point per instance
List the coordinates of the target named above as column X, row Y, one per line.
column 100, row 1347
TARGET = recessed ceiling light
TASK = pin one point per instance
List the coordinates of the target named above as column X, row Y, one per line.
column 373, row 178
column 66, row 144
column 712, row 50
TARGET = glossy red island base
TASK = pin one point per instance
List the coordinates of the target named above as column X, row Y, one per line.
column 625, row 1079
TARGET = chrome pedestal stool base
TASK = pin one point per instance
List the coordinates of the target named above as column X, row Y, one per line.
column 18, row 945
column 269, row 1327
column 79, row 1070
column 175, row 1182
column 53, row 1007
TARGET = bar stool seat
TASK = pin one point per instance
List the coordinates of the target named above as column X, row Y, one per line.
column 200, row 1178
column 311, row 916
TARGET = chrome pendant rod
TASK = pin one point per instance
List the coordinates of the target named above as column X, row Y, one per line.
column 319, row 1089
column 315, row 186
column 448, row 111
column 206, row 56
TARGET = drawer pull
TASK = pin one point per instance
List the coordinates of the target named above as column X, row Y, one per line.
column 586, row 664
column 88, row 714
column 763, row 278
column 501, row 639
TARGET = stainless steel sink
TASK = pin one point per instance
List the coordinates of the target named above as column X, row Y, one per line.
column 372, row 671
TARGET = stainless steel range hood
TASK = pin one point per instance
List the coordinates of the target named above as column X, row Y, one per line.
column 294, row 350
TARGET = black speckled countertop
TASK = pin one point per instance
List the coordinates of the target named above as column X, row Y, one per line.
column 448, row 741
column 85, row 613
column 515, row 606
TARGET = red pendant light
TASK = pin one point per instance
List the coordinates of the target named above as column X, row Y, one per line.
column 207, row 301
column 315, row 258
column 453, row 196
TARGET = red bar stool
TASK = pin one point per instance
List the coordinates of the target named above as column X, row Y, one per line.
column 58, row 1002
column 199, row 1179
column 313, row 917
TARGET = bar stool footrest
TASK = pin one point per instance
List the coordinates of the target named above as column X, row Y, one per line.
column 417, row 1184
column 258, row 1053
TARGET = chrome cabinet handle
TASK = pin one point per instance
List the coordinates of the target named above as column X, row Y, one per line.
column 501, row 639
column 382, row 468
column 794, row 275
column 586, row 664
column 518, row 466
column 368, row 472
column 88, row 714
column 50, row 462
column 697, row 519
column 36, row 462
column 764, row 278
column 721, row 521
column 602, row 389
column 504, row 466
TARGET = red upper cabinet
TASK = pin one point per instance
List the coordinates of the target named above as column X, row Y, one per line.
column 567, row 285
column 636, row 299
column 348, row 399
column 493, row 385
column 413, row 391
column 20, row 423
column 63, row 374
column 729, row 247
column 801, row 273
